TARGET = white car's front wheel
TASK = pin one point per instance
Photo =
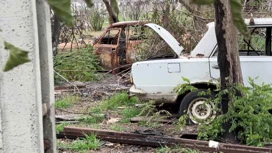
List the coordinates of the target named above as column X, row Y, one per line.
column 198, row 107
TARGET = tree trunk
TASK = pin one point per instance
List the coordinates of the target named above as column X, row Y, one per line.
column 55, row 35
column 228, row 55
column 112, row 15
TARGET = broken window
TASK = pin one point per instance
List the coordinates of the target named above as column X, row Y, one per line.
column 259, row 44
column 111, row 37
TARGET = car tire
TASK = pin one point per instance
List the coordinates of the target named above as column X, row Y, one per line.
column 192, row 105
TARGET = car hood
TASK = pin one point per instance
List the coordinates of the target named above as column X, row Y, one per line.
column 167, row 37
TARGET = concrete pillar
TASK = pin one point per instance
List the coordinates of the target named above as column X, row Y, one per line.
column 24, row 89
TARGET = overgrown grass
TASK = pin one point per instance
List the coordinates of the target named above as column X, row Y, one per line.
column 81, row 65
column 90, row 142
column 117, row 127
column 175, row 149
column 94, row 119
column 129, row 113
column 118, row 100
column 66, row 102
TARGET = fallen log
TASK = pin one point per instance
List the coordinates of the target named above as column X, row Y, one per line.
column 157, row 141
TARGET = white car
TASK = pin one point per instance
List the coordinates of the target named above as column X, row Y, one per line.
column 156, row 79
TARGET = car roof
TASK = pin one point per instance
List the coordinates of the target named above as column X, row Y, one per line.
column 258, row 22
column 127, row 23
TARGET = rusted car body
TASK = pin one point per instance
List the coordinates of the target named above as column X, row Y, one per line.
column 117, row 45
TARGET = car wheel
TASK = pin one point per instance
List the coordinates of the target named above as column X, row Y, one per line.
column 197, row 107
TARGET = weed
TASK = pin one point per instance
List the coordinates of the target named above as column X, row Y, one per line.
column 115, row 101
column 175, row 149
column 90, row 142
column 117, row 127
column 66, row 102
column 129, row 113
column 60, row 127
column 94, row 119
column 149, row 109
column 81, row 65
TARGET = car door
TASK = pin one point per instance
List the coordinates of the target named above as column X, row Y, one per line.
column 107, row 48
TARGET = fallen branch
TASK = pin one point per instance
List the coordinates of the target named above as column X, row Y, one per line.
column 68, row 82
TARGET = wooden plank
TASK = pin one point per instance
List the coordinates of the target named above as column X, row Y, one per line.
column 157, row 141
column 148, row 118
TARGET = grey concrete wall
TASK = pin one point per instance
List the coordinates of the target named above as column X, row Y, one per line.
column 20, row 89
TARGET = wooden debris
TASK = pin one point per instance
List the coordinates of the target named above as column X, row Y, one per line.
column 148, row 118
column 69, row 117
column 157, row 141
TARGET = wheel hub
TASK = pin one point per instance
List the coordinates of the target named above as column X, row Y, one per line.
column 199, row 109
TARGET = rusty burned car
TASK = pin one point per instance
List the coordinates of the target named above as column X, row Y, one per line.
column 117, row 45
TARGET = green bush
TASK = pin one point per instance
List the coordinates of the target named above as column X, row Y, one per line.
column 249, row 115
column 96, row 20
column 81, row 65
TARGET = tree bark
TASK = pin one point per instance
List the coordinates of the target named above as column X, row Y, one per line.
column 228, row 56
column 112, row 15
column 55, row 35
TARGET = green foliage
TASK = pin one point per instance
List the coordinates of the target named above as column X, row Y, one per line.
column 81, row 65
column 249, row 115
column 150, row 110
column 175, row 149
column 94, row 119
column 182, row 121
column 236, row 11
column 66, row 102
column 17, row 57
column 185, row 87
column 62, row 8
column 116, row 101
column 60, row 127
column 90, row 142
column 129, row 113
column 96, row 19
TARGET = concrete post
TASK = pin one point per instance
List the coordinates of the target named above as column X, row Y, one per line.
column 24, row 89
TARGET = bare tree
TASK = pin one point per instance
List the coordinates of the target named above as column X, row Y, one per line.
column 112, row 8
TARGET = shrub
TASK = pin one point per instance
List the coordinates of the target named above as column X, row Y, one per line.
column 96, row 19
column 80, row 65
column 249, row 115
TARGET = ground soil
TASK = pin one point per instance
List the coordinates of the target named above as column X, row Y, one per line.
column 92, row 94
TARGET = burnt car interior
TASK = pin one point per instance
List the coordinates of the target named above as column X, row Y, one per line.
column 110, row 37
column 259, row 43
